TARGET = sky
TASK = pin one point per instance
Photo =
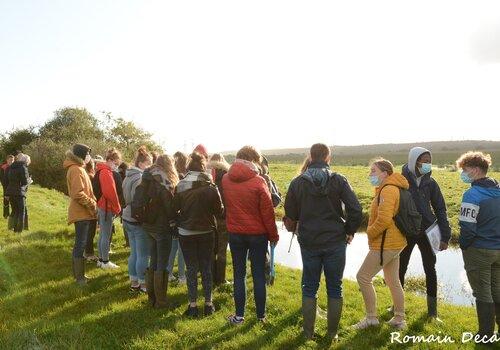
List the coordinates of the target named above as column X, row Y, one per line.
column 274, row 74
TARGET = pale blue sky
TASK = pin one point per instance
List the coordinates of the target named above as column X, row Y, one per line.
column 269, row 73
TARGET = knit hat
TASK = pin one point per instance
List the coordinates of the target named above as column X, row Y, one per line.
column 81, row 150
column 201, row 149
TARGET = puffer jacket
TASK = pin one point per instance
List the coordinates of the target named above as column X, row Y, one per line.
column 109, row 200
column 382, row 216
column 249, row 208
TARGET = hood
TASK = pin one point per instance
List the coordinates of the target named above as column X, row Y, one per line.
column 133, row 172
column 487, row 182
column 318, row 174
column 395, row 179
column 415, row 152
column 70, row 160
column 242, row 170
column 218, row 165
column 102, row 166
column 193, row 179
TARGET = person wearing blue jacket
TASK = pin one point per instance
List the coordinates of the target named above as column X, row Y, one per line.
column 431, row 205
column 480, row 238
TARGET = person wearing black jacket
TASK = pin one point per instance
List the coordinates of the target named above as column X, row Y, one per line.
column 315, row 200
column 431, row 205
column 3, row 178
column 198, row 203
column 17, row 180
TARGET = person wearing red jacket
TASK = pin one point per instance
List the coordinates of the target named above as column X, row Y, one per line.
column 108, row 205
column 251, row 224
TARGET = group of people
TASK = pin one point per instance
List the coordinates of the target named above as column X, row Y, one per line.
column 194, row 205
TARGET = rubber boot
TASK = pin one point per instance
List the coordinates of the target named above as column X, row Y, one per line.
column 10, row 223
column 334, row 314
column 432, row 309
column 485, row 318
column 79, row 271
column 309, row 315
column 150, row 286
column 497, row 315
column 160, row 288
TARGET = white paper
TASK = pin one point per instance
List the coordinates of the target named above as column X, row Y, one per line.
column 433, row 234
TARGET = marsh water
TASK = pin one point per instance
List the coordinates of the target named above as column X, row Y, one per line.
column 453, row 286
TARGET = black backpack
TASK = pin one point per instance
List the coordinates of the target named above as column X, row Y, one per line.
column 408, row 220
column 275, row 193
column 96, row 186
column 146, row 204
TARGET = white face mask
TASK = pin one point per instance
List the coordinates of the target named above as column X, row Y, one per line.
column 87, row 158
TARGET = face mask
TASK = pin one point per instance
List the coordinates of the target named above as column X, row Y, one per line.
column 87, row 158
column 425, row 168
column 374, row 180
column 466, row 178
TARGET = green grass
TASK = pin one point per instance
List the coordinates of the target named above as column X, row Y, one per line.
column 449, row 181
column 41, row 307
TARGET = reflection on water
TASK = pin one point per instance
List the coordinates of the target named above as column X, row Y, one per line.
column 453, row 284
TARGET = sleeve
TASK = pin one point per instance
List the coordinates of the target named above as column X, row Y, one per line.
column 108, row 189
column 217, row 206
column 439, row 206
column 176, row 204
column 76, row 189
column 291, row 206
column 25, row 177
column 267, row 212
column 469, row 210
column 385, row 213
column 353, row 208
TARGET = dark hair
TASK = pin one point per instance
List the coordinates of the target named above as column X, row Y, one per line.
column 113, row 154
column 250, row 154
column 181, row 161
column 474, row 159
column 197, row 162
column 383, row 165
column 155, row 156
column 319, row 152
column 142, row 156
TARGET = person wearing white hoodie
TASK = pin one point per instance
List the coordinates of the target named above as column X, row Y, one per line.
column 431, row 205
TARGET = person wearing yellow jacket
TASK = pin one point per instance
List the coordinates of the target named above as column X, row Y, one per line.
column 82, row 206
column 384, row 207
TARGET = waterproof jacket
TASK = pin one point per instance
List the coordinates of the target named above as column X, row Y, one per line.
column 3, row 175
column 17, row 179
column 157, row 187
column 480, row 215
column 382, row 216
column 109, row 200
column 132, row 179
column 249, row 208
column 315, row 199
column 197, row 202
column 218, row 170
column 82, row 205
column 427, row 196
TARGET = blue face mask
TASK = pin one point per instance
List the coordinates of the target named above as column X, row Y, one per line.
column 466, row 178
column 425, row 168
column 374, row 180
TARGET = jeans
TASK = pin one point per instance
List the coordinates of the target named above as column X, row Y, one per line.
column 332, row 261
column 483, row 272
column 180, row 260
column 198, row 252
column 89, row 247
column 428, row 260
column 255, row 246
column 160, row 245
column 81, row 233
column 139, row 252
column 105, row 227
column 19, row 214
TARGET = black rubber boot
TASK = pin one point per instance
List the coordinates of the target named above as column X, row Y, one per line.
column 160, row 289
column 79, row 271
column 432, row 309
column 150, row 286
column 485, row 318
column 497, row 315
column 309, row 315
column 334, row 314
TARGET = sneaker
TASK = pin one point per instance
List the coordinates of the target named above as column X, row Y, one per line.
column 171, row 278
column 108, row 266
column 366, row 322
column 182, row 280
column 192, row 311
column 236, row 320
column 208, row 309
column 397, row 324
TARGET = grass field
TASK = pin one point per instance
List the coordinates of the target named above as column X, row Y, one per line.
column 449, row 181
column 41, row 307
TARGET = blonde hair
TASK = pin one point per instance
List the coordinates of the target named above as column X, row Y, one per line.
column 474, row 159
column 21, row 157
column 383, row 164
column 166, row 164
column 305, row 164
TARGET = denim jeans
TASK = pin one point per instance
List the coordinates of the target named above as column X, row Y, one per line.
column 105, row 227
column 160, row 245
column 139, row 251
column 332, row 261
column 198, row 252
column 180, row 260
column 81, row 233
column 254, row 246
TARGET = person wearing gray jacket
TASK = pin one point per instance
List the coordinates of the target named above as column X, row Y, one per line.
column 139, row 250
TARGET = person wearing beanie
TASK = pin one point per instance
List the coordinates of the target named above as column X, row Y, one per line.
column 82, row 210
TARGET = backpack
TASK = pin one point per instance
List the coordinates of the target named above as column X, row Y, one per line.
column 146, row 204
column 96, row 186
column 275, row 193
column 408, row 220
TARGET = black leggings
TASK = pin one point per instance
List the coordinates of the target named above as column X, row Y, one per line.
column 428, row 260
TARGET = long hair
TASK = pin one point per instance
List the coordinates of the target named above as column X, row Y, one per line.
column 181, row 161
column 142, row 155
column 197, row 162
column 305, row 164
column 166, row 163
